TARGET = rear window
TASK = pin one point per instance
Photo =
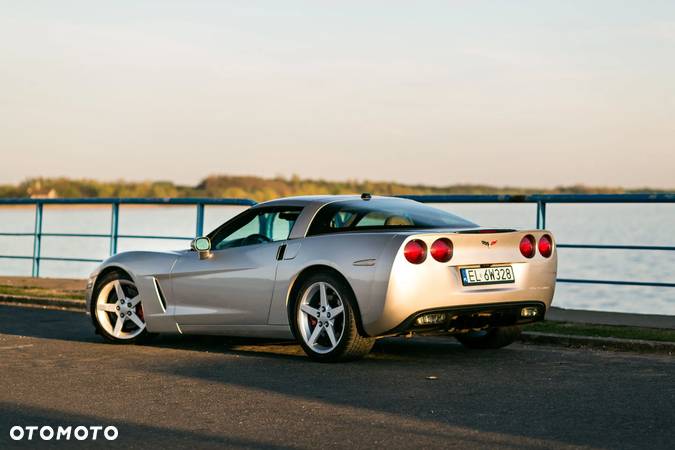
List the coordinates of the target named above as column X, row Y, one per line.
column 382, row 214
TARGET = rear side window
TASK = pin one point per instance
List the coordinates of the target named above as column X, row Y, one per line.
column 382, row 214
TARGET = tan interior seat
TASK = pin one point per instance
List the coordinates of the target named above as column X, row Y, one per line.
column 397, row 221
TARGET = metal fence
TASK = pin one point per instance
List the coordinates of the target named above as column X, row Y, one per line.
column 200, row 203
column 114, row 236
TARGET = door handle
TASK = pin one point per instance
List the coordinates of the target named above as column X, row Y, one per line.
column 280, row 252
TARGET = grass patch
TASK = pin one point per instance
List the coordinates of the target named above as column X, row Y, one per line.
column 613, row 331
column 31, row 291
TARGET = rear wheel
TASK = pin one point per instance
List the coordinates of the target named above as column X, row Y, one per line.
column 324, row 320
column 117, row 309
column 491, row 338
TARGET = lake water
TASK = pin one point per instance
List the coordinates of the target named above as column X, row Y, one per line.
column 629, row 224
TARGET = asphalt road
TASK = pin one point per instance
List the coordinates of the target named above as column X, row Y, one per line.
column 200, row 392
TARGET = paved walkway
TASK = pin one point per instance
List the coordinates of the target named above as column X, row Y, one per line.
column 611, row 318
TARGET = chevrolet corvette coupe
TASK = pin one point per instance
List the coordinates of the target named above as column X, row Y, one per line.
column 335, row 273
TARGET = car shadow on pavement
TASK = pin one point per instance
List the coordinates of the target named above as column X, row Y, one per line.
column 387, row 349
column 74, row 326
column 46, row 324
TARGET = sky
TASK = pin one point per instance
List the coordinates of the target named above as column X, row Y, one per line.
column 521, row 93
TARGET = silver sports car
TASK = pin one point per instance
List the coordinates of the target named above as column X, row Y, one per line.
column 334, row 273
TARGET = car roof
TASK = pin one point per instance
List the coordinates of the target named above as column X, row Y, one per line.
column 311, row 204
column 317, row 200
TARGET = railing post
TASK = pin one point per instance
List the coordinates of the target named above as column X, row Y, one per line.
column 37, row 239
column 200, row 219
column 541, row 215
column 114, row 227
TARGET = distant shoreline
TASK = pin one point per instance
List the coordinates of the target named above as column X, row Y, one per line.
column 261, row 189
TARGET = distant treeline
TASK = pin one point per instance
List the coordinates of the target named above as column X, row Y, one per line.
column 260, row 189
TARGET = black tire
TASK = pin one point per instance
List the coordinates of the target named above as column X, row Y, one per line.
column 143, row 336
column 492, row 338
column 351, row 345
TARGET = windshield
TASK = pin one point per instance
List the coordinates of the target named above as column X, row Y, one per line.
column 382, row 214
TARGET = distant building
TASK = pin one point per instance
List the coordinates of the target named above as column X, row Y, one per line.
column 51, row 194
column 37, row 191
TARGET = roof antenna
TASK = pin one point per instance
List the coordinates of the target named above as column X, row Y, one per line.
column 366, row 196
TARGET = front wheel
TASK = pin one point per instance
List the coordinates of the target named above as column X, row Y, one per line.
column 324, row 321
column 491, row 338
column 117, row 310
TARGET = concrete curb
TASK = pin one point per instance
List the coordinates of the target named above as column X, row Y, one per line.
column 43, row 302
column 603, row 343
column 611, row 318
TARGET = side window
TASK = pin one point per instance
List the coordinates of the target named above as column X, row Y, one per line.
column 281, row 224
column 234, row 239
column 256, row 228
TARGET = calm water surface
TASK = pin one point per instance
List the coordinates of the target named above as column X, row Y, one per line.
column 630, row 224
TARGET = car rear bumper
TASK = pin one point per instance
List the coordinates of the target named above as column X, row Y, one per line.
column 414, row 292
column 461, row 318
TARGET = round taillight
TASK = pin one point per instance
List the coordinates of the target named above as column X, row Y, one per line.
column 527, row 245
column 415, row 251
column 441, row 250
column 545, row 246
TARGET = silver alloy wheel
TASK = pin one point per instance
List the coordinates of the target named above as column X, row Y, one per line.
column 119, row 310
column 321, row 317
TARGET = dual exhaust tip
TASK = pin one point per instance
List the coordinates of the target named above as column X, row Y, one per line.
column 527, row 312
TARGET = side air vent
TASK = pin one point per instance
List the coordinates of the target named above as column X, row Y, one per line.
column 160, row 294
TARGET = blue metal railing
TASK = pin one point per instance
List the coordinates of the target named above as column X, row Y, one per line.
column 114, row 235
column 200, row 203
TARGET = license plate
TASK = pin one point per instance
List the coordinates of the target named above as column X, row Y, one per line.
column 487, row 275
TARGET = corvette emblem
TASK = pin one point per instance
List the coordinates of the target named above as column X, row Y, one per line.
column 489, row 244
